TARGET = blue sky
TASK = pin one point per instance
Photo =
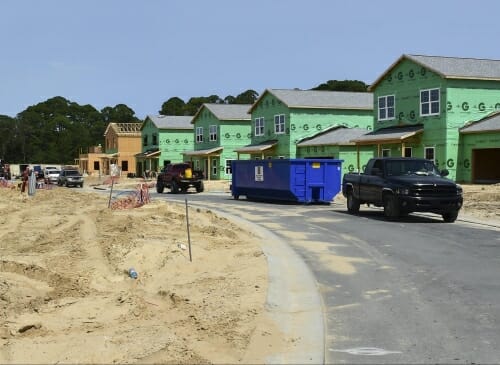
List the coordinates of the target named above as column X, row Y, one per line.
column 141, row 53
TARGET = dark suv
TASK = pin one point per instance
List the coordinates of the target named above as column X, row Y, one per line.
column 70, row 178
column 179, row 176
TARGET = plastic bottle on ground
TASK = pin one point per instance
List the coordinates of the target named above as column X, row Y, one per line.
column 132, row 273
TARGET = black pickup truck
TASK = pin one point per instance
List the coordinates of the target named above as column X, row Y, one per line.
column 403, row 185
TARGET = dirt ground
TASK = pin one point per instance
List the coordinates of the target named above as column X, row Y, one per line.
column 66, row 294
column 482, row 201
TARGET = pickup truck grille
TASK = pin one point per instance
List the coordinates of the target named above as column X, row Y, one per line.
column 432, row 190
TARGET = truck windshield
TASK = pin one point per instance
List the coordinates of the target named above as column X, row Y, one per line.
column 411, row 167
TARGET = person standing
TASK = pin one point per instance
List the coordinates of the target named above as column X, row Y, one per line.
column 25, row 177
column 32, row 183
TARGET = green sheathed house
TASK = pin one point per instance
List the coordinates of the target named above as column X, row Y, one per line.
column 219, row 129
column 423, row 103
column 164, row 140
column 480, row 150
column 308, row 123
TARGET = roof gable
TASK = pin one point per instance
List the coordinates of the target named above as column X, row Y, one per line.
column 450, row 67
column 320, row 99
column 124, row 129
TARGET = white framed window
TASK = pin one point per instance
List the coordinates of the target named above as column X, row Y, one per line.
column 386, row 152
column 214, row 166
column 279, row 124
column 228, row 170
column 199, row 134
column 429, row 102
column 386, row 106
column 429, row 153
column 259, row 126
column 212, row 130
column 408, row 152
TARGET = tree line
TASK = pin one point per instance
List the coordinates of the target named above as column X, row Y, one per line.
column 58, row 130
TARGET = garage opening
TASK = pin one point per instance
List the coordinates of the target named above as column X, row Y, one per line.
column 486, row 166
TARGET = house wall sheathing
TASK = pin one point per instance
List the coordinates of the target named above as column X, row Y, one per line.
column 461, row 101
column 231, row 134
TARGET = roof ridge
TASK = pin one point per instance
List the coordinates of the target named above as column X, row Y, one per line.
column 452, row 57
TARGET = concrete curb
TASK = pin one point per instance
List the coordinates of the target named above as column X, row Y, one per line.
column 293, row 299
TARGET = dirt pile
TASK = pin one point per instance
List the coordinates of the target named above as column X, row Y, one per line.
column 66, row 296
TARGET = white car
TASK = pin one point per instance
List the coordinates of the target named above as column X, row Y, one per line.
column 52, row 175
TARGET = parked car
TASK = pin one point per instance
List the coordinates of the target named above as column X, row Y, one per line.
column 52, row 175
column 70, row 177
column 49, row 168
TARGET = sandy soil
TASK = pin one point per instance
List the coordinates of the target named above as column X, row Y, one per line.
column 66, row 295
column 482, row 201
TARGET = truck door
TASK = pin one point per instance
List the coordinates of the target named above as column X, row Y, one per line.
column 375, row 182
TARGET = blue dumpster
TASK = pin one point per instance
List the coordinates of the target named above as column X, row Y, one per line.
column 293, row 180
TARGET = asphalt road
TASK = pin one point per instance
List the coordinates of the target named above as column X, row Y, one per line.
column 413, row 291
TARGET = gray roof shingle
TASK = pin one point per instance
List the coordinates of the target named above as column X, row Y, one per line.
column 450, row 67
column 395, row 133
column 454, row 67
column 335, row 136
column 230, row 111
column 490, row 123
column 171, row 121
column 322, row 99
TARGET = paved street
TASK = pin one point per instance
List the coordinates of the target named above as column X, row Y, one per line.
column 413, row 291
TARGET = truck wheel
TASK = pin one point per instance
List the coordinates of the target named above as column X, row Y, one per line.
column 352, row 203
column 391, row 207
column 450, row 217
column 159, row 187
column 174, row 188
column 200, row 187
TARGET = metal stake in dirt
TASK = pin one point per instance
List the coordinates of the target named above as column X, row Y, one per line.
column 111, row 191
column 187, row 225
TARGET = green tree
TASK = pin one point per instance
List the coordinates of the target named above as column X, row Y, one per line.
column 246, row 97
column 195, row 103
column 229, row 99
column 7, row 133
column 120, row 113
column 54, row 131
column 173, row 106
column 344, row 85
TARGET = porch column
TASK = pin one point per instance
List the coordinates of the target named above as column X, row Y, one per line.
column 209, row 168
column 357, row 157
